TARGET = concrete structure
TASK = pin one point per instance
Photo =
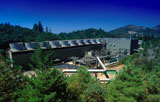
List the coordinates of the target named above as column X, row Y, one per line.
column 16, row 47
column 121, row 45
column 21, row 52
column 73, row 43
column 45, row 45
column 54, row 44
column 31, row 45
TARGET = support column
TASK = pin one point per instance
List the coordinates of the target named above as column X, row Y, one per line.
column 10, row 57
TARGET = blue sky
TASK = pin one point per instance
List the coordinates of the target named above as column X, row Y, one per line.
column 70, row 15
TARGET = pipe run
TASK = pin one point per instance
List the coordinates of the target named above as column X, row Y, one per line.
column 103, row 66
column 89, row 70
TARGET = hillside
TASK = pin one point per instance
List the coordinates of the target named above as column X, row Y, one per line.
column 138, row 30
column 87, row 33
column 10, row 33
column 157, row 27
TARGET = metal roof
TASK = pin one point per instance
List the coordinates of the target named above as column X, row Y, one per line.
column 17, row 46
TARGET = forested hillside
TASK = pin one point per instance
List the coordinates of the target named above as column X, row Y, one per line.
column 10, row 33
column 138, row 30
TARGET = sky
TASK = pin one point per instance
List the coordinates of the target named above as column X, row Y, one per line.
column 71, row 15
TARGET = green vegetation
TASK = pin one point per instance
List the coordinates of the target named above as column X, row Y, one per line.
column 10, row 80
column 47, row 86
column 42, row 60
column 84, row 88
column 10, row 33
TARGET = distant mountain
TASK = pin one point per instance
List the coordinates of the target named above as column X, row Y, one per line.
column 157, row 27
column 135, row 30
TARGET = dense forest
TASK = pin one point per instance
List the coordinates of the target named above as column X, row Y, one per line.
column 10, row 33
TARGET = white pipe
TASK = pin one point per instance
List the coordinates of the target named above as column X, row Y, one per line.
column 106, row 79
column 103, row 66
column 89, row 70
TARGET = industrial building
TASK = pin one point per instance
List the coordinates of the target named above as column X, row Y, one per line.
column 121, row 45
column 65, row 50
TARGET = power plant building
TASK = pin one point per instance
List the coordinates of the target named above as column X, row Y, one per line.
column 21, row 52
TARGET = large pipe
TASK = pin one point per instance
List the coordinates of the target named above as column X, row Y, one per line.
column 89, row 70
column 106, row 79
column 103, row 66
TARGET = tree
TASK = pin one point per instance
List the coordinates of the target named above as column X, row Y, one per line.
column 128, row 86
column 76, row 84
column 40, row 27
column 10, row 81
column 95, row 93
column 47, row 86
column 41, row 59
column 82, row 87
column 35, row 27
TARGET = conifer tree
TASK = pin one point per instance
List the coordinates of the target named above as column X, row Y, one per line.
column 78, row 83
column 40, row 27
column 41, row 60
column 10, row 81
column 47, row 86
column 35, row 27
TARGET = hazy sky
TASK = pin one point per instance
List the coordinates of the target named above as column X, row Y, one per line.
column 69, row 15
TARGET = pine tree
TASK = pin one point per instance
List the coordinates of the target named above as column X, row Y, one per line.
column 10, row 81
column 47, row 86
column 78, row 83
column 35, row 27
column 41, row 60
column 40, row 27
column 95, row 92
column 128, row 86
